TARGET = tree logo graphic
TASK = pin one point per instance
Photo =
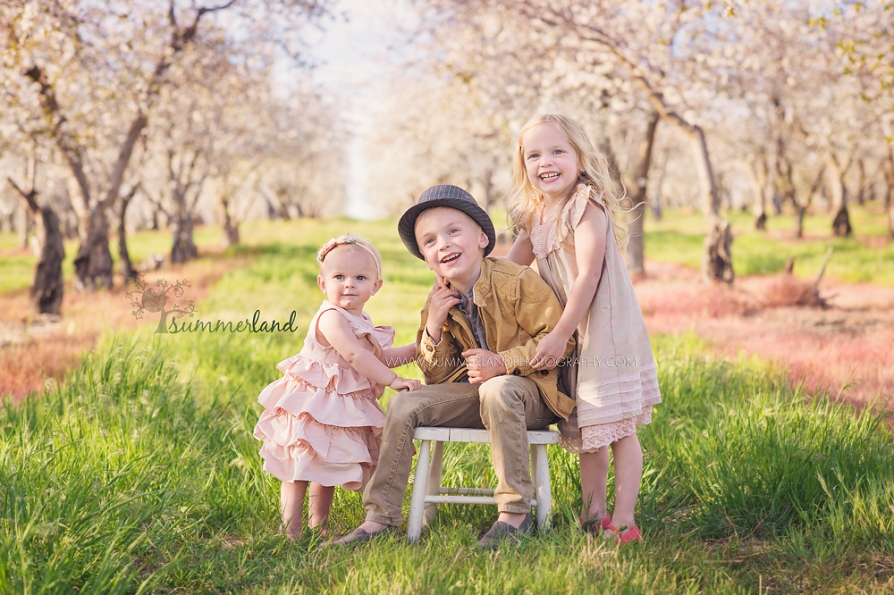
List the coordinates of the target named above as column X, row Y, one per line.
column 149, row 298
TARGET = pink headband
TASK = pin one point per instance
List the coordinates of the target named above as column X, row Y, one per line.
column 344, row 240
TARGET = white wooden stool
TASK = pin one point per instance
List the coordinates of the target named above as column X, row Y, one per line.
column 427, row 487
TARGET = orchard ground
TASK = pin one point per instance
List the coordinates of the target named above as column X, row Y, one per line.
column 135, row 470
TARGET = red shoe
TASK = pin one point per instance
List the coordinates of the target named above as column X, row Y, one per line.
column 596, row 525
column 625, row 536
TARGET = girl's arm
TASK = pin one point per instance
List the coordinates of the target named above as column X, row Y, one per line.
column 335, row 330
column 589, row 243
column 522, row 251
column 398, row 356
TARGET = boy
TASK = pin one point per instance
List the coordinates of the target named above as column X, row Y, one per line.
column 480, row 329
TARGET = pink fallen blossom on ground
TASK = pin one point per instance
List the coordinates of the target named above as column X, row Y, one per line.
column 844, row 349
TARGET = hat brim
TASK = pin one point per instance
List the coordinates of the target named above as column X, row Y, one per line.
column 406, row 227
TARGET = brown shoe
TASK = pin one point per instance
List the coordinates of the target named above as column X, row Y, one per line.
column 501, row 531
column 359, row 535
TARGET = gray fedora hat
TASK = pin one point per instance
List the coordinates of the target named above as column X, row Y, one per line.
column 444, row 195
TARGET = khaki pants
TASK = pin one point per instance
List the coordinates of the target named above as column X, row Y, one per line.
column 506, row 406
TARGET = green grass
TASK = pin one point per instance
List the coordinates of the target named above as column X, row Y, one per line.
column 18, row 272
column 17, row 269
column 139, row 473
column 679, row 238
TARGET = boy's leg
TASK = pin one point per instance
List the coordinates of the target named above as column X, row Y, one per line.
column 450, row 404
column 511, row 405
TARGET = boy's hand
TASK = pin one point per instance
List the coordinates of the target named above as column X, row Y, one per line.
column 483, row 365
column 404, row 384
column 549, row 352
column 442, row 300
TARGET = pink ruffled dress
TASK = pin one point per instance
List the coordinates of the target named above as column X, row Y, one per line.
column 322, row 421
column 613, row 378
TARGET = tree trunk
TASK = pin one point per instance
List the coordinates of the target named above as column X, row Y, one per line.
column 230, row 225
column 718, row 260
column 861, row 182
column 800, row 211
column 183, row 249
column 758, row 177
column 489, row 195
column 93, row 262
column 23, row 225
column 841, row 224
column 282, row 195
column 635, row 249
column 231, row 234
column 888, row 165
column 48, row 287
column 717, row 266
column 127, row 269
column 657, row 204
column 785, row 182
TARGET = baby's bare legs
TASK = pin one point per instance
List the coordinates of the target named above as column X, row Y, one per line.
column 593, row 479
column 319, row 501
column 291, row 496
column 628, row 459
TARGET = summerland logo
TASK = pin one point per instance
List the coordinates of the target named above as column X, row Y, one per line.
column 165, row 300
column 154, row 299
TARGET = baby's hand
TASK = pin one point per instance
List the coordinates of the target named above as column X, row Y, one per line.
column 549, row 352
column 404, row 384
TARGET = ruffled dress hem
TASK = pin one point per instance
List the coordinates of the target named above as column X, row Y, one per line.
column 322, row 421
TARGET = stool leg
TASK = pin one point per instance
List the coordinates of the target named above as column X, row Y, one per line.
column 434, row 481
column 532, row 452
column 542, row 487
column 420, row 487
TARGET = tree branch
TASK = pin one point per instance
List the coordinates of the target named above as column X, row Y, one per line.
column 30, row 197
column 52, row 114
column 124, row 154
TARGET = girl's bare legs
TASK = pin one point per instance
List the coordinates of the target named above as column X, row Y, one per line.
column 628, row 459
column 319, row 501
column 291, row 496
column 593, row 478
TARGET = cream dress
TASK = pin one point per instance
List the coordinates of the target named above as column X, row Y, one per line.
column 322, row 421
column 612, row 377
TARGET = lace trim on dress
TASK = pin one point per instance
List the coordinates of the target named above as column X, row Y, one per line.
column 595, row 437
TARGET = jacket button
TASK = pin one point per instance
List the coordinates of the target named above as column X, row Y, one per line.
column 516, row 372
column 429, row 348
column 544, row 372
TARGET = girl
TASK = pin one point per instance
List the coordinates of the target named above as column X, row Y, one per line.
column 562, row 204
column 322, row 422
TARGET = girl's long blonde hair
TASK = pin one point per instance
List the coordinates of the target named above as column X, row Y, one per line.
column 525, row 201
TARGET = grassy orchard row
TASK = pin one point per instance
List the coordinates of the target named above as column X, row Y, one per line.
column 140, row 474
column 678, row 238
column 868, row 257
column 17, row 269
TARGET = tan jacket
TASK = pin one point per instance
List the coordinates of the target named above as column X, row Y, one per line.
column 517, row 309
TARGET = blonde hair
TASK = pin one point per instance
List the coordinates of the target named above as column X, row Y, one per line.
column 525, row 201
column 350, row 240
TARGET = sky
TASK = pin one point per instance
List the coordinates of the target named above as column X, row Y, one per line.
column 355, row 53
